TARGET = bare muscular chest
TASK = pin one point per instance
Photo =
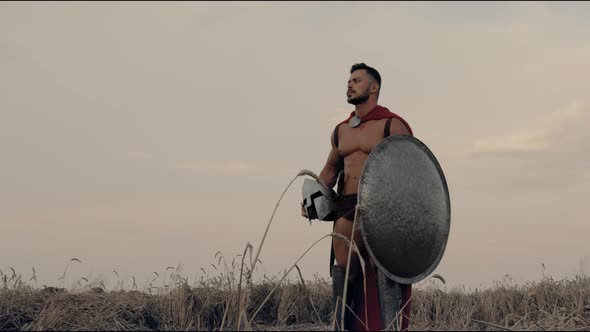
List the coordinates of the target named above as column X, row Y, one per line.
column 360, row 139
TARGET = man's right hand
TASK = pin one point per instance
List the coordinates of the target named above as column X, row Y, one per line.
column 304, row 211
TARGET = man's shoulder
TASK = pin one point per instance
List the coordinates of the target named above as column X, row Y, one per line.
column 399, row 126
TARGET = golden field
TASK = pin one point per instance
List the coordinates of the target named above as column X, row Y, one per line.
column 214, row 305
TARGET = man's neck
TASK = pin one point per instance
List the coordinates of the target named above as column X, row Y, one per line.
column 362, row 109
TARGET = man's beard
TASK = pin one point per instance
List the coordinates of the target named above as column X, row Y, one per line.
column 359, row 100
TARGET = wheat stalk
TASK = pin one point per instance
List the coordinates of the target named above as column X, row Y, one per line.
column 301, row 173
column 62, row 278
column 492, row 325
column 270, row 222
column 286, row 273
column 314, row 176
column 309, row 295
column 241, row 302
column 439, row 277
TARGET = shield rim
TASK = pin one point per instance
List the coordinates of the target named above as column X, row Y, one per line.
column 358, row 212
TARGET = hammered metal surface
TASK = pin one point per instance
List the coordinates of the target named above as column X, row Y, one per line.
column 404, row 209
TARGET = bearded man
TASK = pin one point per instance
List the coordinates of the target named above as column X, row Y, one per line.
column 351, row 143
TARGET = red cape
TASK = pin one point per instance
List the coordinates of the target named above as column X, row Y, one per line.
column 379, row 112
column 373, row 313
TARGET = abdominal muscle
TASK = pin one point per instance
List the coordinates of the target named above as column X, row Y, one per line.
column 353, row 168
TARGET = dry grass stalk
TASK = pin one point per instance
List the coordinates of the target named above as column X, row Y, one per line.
column 301, row 173
column 270, row 222
column 314, row 176
column 62, row 278
column 241, row 308
column 253, row 265
column 492, row 325
column 287, row 273
column 306, row 292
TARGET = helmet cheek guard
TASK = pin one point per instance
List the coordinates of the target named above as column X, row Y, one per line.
column 317, row 201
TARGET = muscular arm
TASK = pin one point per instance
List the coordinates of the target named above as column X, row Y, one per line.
column 398, row 127
column 329, row 174
column 334, row 164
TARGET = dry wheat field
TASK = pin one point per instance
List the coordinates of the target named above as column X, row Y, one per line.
column 221, row 302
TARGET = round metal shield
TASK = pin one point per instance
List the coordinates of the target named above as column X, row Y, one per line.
column 404, row 209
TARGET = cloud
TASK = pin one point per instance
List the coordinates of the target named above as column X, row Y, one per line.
column 564, row 129
column 224, row 168
column 550, row 156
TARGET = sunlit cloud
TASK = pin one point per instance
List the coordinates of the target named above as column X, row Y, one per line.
column 566, row 126
column 550, row 155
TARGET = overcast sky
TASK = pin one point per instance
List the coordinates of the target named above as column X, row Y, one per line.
column 137, row 136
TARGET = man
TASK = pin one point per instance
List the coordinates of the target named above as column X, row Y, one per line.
column 352, row 141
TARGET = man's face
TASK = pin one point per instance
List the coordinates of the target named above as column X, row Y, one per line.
column 359, row 87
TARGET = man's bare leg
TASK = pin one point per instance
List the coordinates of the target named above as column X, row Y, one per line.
column 343, row 226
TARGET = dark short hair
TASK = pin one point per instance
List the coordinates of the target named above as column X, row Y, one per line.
column 370, row 70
